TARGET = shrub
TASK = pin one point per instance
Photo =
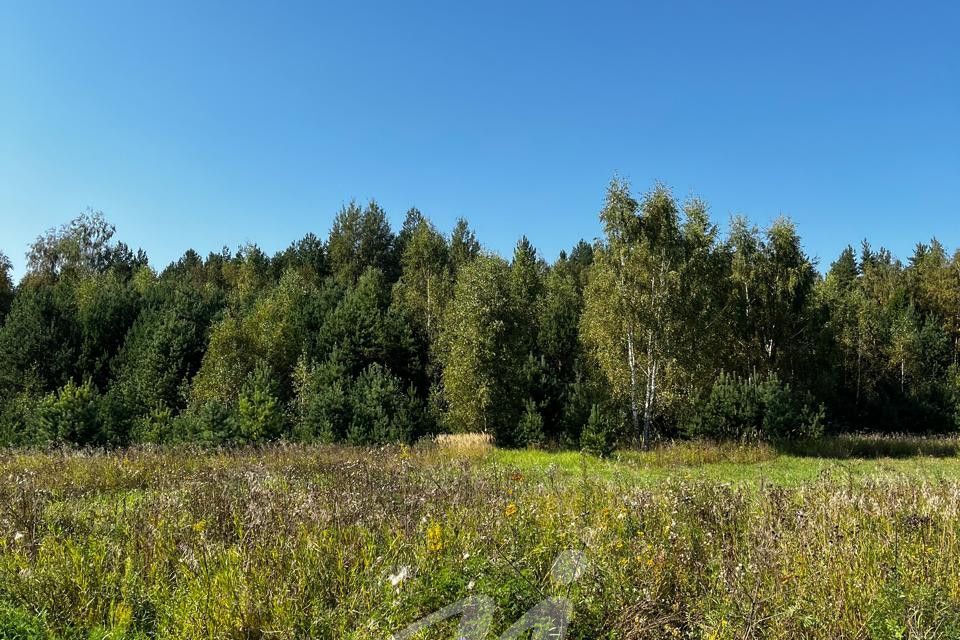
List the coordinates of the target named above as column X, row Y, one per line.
column 19, row 422
column 207, row 423
column 373, row 408
column 72, row 414
column 154, row 428
column 754, row 409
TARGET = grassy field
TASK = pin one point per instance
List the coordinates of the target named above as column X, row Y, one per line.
column 853, row 538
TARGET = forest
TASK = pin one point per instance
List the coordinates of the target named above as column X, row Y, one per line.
column 662, row 328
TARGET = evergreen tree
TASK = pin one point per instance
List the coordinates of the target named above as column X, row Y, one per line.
column 561, row 354
column 164, row 348
column 464, row 246
column 360, row 240
column 6, row 286
column 660, row 326
column 381, row 410
column 71, row 415
column 259, row 410
column 844, row 270
column 307, row 255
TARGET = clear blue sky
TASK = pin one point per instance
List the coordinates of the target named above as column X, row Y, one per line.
column 196, row 126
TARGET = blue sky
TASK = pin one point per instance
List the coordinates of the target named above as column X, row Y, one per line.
column 203, row 126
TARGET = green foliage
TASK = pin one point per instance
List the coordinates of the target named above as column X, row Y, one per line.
column 360, row 240
column 268, row 332
column 598, row 436
column 106, row 307
column 20, row 423
column 17, row 624
column 165, row 347
column 425, row 282
column 6, row 286
column 156, row 427
column 259, row 411
column 771, row 284
column 530, row 428
column 464, row 246
column 381, row 411
column 650, row 296
column 420, row 331
column 40, row 340
column 482, row 352
column 208, row 423
column 307, row 256
column 81, row 247
column 562, row 391
column 322, row 405
column 363, row 329
column 754, row 409
column 373, row 407
column 72, row 415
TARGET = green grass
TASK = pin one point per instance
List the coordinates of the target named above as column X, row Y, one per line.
column 747, row 465
column 690, row 540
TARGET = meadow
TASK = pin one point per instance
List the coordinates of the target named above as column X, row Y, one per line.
column 843, row 538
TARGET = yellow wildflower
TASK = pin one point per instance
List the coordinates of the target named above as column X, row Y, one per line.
column 434, row 537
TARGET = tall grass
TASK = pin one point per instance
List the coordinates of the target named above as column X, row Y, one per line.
column 334, row 542
column 874, row 446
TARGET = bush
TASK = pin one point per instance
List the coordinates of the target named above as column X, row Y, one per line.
column 207, row 423
column 72, row 414
column 754, row 409
column 19, row 423
column 156, row 427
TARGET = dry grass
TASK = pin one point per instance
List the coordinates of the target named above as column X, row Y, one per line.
column 465, row 444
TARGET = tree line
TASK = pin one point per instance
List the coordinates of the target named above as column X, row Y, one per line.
column 661, row 328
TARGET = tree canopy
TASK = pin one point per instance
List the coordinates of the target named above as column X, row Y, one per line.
column 663, row 327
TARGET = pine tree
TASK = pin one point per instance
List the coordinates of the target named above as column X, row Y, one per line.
column 259, row 410
column 6, row 286
column 464, row 246
column 359, row 240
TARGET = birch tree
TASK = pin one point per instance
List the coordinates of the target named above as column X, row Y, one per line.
column 480, row 352
column 425, row 281
column 772, row 283
column 631, row 302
